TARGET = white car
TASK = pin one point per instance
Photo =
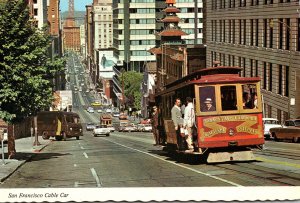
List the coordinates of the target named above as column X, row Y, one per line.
column 111, row 128
column 90, row 110
column 99, row 110
column 268, row 124
column 101, row 130
column 147, row 128
column 108, row 110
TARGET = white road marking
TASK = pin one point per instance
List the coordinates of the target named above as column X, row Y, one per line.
column 76, row 184
column 86, row 156
column 96, row 177
column 191, row 169
column 82, row 147
column 75, row 165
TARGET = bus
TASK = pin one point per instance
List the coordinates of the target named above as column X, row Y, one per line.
column 231, row 128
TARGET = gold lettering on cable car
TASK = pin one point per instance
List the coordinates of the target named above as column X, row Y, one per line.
column 212, row 123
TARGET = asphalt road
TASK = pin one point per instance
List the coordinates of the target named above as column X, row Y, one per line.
column 130, row 160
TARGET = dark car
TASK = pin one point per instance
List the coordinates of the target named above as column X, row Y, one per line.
column 90, row 126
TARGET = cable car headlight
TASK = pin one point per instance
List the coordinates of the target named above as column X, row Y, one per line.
column 231, row 132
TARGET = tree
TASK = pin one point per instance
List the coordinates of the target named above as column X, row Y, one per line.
column 25, row 68
column 132, row 85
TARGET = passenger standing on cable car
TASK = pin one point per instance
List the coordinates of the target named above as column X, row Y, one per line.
column 188, row 123
column 178, row 122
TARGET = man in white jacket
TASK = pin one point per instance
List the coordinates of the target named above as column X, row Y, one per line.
column 188, row 123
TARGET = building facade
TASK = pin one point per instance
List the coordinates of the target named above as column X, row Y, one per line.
column 191, row 16
column 263, row 38
column 40, row 12
column 134, row 27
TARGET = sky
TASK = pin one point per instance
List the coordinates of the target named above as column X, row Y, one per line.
column 78, row 4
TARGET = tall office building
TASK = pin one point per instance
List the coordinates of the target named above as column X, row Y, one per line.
column 102, row 11
column 134, row 32
column 263, row 38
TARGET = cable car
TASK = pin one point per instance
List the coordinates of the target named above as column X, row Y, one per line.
column 228, row 113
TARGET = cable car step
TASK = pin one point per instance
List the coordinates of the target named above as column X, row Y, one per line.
column 215, row 157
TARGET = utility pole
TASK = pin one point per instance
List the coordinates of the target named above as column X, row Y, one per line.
column 123, row 97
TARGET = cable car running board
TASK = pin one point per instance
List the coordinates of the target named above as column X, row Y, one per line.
column 215, row 157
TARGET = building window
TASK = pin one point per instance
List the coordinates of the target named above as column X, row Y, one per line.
column 265, row 76
column 269, row 111
column 244, row 31
column 251, row 67
column 251, row 31
column 288, row 32
column 35, row 11
column 280, row 79
column 256, row 68
column 271, row 37
column 298, row 35
column 233, row 62
column 244, row 67
column 224, row 31
column 256, row 32
column 265, row 33
column 212, row 30
column 233, row 31
column 229, row 33
column 221, row 31
column 270, row 76
column 240, row 31
column 280, row 33
column 279, row 115
column 287, row 72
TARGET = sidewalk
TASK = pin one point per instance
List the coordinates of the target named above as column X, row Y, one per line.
column 24, row 152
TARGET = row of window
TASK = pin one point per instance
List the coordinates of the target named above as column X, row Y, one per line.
column 269, row 73
column 140, row 53
column 142, row 21
column 141, row 10
column 191, row 30
column 256, row 32
column 142, row 42
column 221, row 4
column 191, row 10
column 141, row 32
column 191, row 20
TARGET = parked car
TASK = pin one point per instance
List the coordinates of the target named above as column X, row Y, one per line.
column 129, row 128
column 286, row 133
column 101, row 130
column 147, row 128
column 108, row 111
column 116, row 114
column 99, row 111
column 96, row 103
column 111, row 128
column 90, row 110
column 140, row 127
column 268, row 124
column 90, row 126
column 292, row 122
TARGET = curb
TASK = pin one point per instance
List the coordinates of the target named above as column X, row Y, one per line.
column 28, row 159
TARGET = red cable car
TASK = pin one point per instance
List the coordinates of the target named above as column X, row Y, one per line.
column 228, row 113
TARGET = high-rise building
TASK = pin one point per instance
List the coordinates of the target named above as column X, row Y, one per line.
column 103, row 21
column 263, row 38
column 134, row 32
column 40, row 12
column 191, row 15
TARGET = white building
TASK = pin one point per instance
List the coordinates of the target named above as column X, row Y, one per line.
column 40, row 12
column 82, row 40
column 191, row 16
column 135, row 35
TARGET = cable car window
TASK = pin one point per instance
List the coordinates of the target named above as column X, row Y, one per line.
column 228, row 98
column 250, row 100
column 69, row 119
column 207, row 99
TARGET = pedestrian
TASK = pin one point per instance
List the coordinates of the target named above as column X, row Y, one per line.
column 178, row 122
column 155, row 125
column 188, row 123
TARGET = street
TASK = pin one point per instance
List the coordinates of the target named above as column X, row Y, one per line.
column 130, row 160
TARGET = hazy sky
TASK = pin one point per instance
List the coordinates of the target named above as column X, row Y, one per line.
column 78, row 4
